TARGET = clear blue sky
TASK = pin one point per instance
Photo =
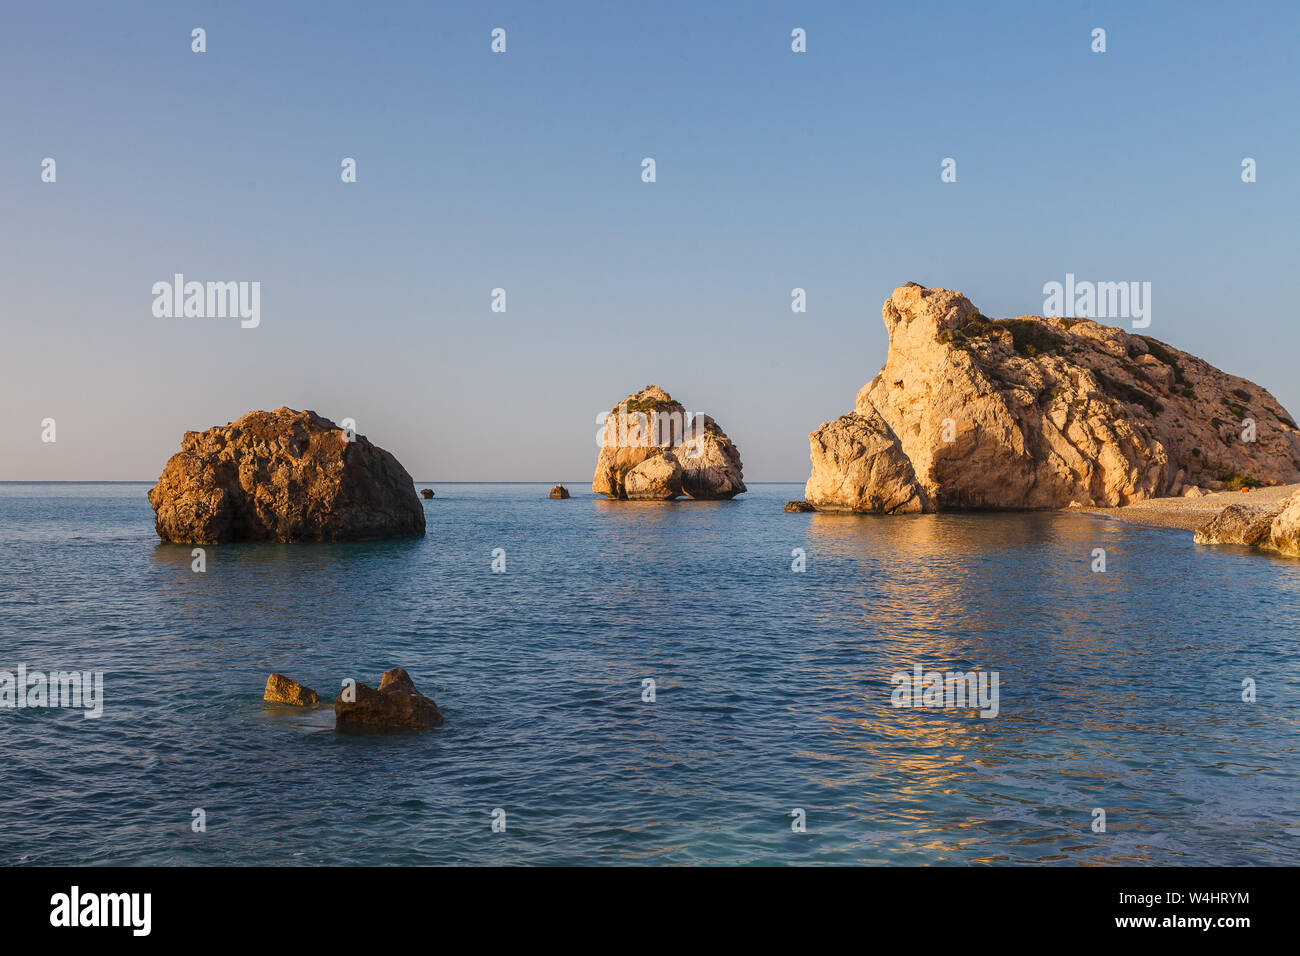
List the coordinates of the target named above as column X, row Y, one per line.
column 522, row 171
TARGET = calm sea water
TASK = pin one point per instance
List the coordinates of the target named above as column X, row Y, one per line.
column 1119, row 690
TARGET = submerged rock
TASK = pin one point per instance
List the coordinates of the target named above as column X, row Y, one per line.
column 559, row 492
column 426, row 493
column 282, row 476
column 798, row 507
column 396, row 704
column 282, row 690
column 653, row 449
column 1036, row 412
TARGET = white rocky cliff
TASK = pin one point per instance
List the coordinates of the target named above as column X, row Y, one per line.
column 1033, row 412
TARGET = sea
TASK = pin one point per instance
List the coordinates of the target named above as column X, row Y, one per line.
column 692, row 683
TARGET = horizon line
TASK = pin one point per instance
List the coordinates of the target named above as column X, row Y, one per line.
column 154, row 481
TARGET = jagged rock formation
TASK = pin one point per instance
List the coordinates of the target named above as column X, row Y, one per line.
column 282, row 476
column 1236, row 524
column 1284, row 532
column 652, row 449
column 711, row 466
column 1270, row 529
column 798, row 507
column 282, row 690
column 1034, row 412
column 426, row 493
column 559, row 492
column 397, row 704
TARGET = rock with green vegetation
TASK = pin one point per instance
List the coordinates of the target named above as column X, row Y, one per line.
column 1032, row 412
column 699, row 460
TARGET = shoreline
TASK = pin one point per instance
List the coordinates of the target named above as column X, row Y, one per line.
column 1188, row 514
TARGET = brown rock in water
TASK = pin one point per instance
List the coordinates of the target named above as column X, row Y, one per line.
column 559, row 491
column 426, row 493
column 396, row 704
column 798, row 507
column 282, row 690
column 651, row 424
column 1037, row 412
column 282, row 476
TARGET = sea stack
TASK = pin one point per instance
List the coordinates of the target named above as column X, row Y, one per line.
column 559, row 492
column 283, row 476
column 1032, row 412
column 653, row 449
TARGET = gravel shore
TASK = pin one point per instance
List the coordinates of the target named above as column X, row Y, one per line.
column 1190, row 513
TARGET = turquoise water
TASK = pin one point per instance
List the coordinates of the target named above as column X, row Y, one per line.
column 1118, row 690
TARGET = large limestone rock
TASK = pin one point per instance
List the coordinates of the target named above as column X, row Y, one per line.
column 711, row 466
column 1038, row 412
column 282, row 476
column 655, row 479
column 395, row 705
column 859, row 465
column 1270, row 529
column 1236, row 524
column 1284, row 532
column 653, row 449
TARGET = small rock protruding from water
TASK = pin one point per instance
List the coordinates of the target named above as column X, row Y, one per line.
column 396, row 705
column 559, row 491
column 798, row 507
column 282, row 690
column 426, row 493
